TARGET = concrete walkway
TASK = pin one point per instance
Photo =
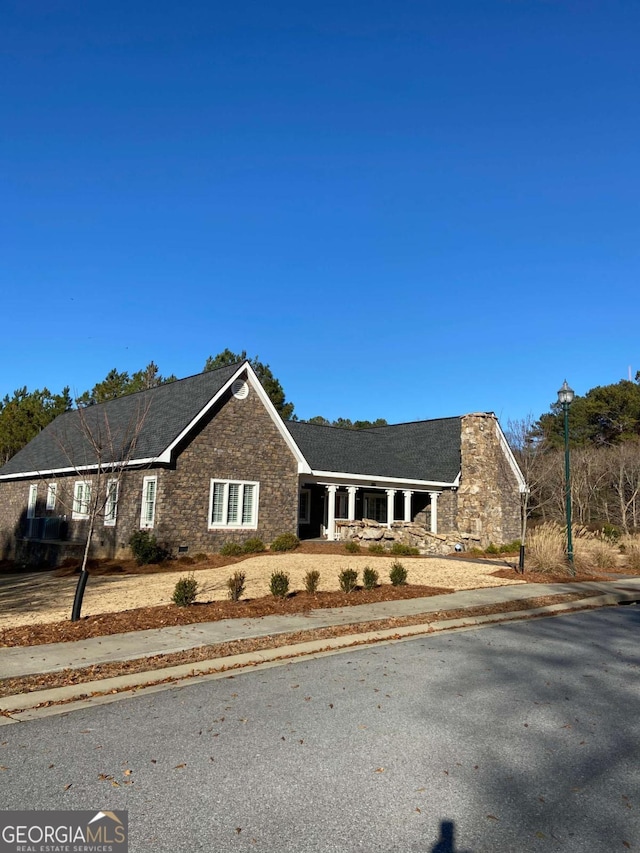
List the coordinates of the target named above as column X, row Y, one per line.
column 53, row 657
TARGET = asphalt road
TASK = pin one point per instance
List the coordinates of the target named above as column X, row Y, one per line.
column 516, row 738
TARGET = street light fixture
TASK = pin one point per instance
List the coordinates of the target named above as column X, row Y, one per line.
column 565, row 398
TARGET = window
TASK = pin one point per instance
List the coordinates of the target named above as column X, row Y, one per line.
column 342, row 505
column 148, row 513
column 375, row 507
column 33, row 499
column 52, row 489
column 111, row 504
column 304, row 506
column 81, row 499
column 233, row 504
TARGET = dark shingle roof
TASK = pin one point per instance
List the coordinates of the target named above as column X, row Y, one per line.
column 423, row 450
column 165, row 411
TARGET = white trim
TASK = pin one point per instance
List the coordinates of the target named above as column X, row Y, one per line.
column 511, row 459
column 380, row 482
column 104, row 466
column 303, row 467
column 32, row 500
column 147, row 523
column 166, row 456
column 52, row 492
column 110, row 519
column 225, row 524
column 81, row 498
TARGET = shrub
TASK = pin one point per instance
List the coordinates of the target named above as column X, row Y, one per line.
column 285, row 542
column 492, row 549
column 235, row 585
column 185, row 591
column 200, row 557
column 611, row 532
column 369, row 578
column 185, row 560
column 352, row 547
column 311, row 581
column 376, row 548
column 348, row 580
column 397, row 574
column 231, row 549
column 279, row 584
column 145, row 548
column 253, row 546
column 403, row 550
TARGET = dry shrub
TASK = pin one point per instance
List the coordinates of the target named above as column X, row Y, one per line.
column 592, row 552
column 631, row 547
column 546, row 548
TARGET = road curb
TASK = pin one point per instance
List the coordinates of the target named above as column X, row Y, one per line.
column 27, row 706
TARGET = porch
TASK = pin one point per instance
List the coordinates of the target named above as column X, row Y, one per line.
column 323, row 505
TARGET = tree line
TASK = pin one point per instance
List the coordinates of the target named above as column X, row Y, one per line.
column 604, row 434
column 26, row 413
column 604, row 442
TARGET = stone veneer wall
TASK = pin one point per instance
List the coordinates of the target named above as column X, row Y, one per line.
column 488, row 498
column 239, row 441
column 107, row 541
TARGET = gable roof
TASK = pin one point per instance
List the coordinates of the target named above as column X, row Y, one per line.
column 422, row 450
column 156, row 418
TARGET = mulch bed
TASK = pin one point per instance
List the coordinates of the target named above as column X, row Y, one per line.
column 143, row 618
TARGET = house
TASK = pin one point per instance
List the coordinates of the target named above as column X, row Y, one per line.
column 207, row 460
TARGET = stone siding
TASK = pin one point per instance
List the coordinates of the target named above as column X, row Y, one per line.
column 488, row 498
column 238, row 441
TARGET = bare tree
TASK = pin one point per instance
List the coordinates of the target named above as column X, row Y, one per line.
column 99, row 450
column 533, row 458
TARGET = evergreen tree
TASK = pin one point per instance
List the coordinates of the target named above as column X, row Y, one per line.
column 269, row 382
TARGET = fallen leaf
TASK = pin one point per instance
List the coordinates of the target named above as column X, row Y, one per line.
column 238, row 829
column 379, row 770
column 331, row 704
column 66, row 787
column 179, row 766
column 115, row 784
column 128, row 772
column 492, row 817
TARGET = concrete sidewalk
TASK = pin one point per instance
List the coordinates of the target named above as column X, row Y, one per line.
column 31, row 660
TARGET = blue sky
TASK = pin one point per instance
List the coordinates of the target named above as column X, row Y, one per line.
column 409, row 209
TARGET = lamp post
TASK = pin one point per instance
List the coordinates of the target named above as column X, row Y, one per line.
column 565, row 398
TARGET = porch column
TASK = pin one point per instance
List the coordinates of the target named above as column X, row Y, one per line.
column 331, row 513
column 407, row 504
column 391, row 495
column 434, row 511
column 351, row 514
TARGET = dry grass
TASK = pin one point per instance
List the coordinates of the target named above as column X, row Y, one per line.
column 593, row 552
column 631, row 548
column 546, row 548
